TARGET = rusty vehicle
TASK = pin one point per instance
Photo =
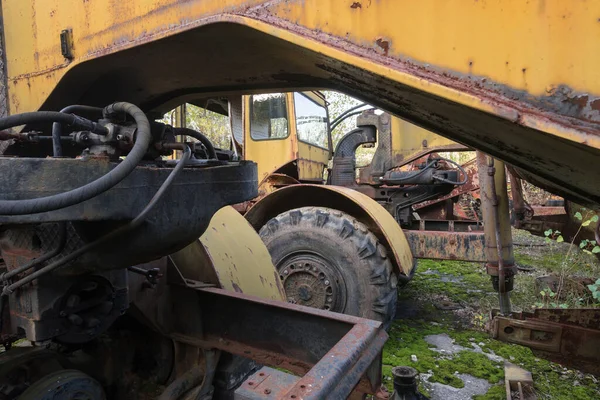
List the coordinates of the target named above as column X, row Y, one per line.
column 338, row 249
column 99, row 234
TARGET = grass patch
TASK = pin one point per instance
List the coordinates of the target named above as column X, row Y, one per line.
column 468, row 284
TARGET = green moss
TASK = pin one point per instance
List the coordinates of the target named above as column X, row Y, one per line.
column 468, row 284
column 459, row 281
column 497, row 392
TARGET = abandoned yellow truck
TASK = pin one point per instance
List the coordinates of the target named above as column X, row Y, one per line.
column 105, row 241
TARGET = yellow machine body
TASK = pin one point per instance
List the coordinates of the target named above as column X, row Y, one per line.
column 516, row 79
column 239, row 260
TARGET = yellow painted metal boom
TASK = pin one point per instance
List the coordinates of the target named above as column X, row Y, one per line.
column 516, row 79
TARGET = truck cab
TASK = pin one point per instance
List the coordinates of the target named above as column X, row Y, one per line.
column 285, row 133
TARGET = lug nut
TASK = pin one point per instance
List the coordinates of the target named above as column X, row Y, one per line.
column 326, row 282
column 286, row 272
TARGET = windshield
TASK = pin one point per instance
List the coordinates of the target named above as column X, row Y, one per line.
column 311, row 121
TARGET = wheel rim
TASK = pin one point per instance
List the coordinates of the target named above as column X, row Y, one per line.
column 309, row 279
column 64, row 385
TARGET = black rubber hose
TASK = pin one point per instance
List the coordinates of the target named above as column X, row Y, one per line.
column 57, row 126
column 37, row 117
column 430, row 164
column 343, row 115
column 197, row 135
column 137, row 221
column 460, row 168
column 94, row 188
column 339, row 121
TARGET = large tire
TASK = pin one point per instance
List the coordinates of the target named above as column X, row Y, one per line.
column 329, row 260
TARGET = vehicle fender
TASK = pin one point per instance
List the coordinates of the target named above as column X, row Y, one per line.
column 231, row 254
column 366, row 210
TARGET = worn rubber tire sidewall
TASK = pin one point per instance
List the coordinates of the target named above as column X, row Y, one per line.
column 371, row 286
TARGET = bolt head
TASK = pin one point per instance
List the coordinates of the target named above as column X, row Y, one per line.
column 326, row 282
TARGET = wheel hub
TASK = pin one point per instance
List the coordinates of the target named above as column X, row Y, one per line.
column 309, row 280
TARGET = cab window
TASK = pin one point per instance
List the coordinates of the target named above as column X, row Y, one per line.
column 311, row 121
column 268, row 116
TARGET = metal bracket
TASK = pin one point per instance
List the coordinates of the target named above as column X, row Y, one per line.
column 566, row 336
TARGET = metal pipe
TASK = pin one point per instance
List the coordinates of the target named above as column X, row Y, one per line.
column 497, row 228
column 137, row 221
column 57, row 126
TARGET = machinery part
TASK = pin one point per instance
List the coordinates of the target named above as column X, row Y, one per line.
column 570, row 337
column 228, row 243
column 89, row 308
column 344, row 115
column 62, row 240
column 426, row 176
column 335, row 354
column 518, row 381
column 326, row 259
column 343, row 172
column 22, row 366
column 136, row 222
column 497, row 229
column 38, row 117
column 92, row 189
column 66, row 384
column 359, row 206
column 198, row 379
column 167, row 229
column 57, row 126
column 438, row 245
column 406, row 384
column 200, row 137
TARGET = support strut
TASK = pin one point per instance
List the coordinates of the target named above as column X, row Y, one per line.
column 497, row 229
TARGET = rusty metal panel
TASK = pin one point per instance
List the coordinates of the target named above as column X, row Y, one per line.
column 569, row 336
column 266, row 383
column 464, row 246
column 333, row 353
column 3, row 83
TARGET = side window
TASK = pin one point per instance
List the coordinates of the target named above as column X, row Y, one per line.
column 311, row 121
column 268, row 116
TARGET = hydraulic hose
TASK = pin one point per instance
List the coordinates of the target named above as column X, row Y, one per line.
column 352, row 114
column 37, row 117
column 199, row 136
column 137, row 221
column 345, row 113
column 460, row 168
column 57, row 126
column 94, row 188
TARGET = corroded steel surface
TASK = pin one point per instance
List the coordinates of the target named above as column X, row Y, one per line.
column 465, row 246
column 333, row 352
column 570, row 337
column 503, row 94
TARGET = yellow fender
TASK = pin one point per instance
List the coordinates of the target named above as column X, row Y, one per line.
column 363, row 208
column 231, row 254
